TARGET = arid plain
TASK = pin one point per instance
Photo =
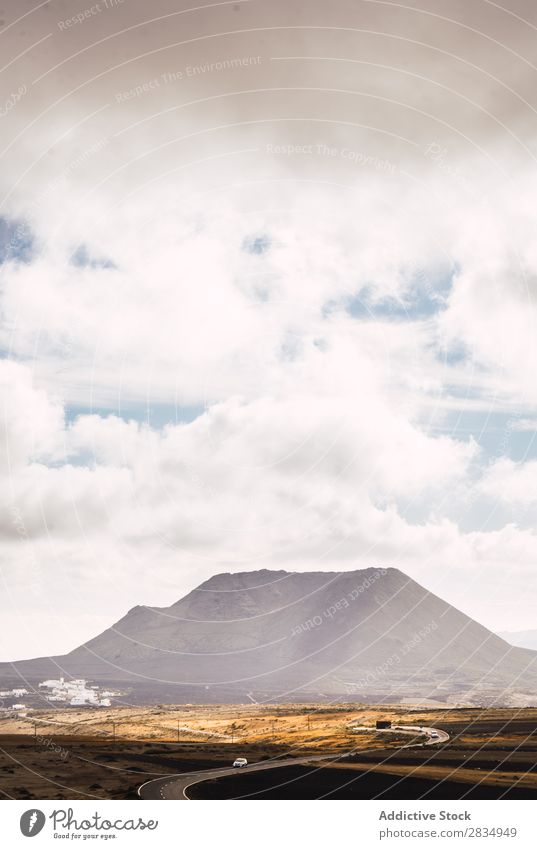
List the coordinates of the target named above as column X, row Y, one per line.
column 108, row 753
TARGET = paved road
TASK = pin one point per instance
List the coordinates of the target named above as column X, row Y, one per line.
column 175, row 786
column 434, row 735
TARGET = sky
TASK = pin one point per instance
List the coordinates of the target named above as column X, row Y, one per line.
column 267, row 300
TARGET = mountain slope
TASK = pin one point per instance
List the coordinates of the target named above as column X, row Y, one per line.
column 523, row 639
column 362, row 633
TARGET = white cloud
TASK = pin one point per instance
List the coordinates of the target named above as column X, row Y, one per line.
column 297, row 481
column 31, row 423
column 513, row 483
column 314, row 448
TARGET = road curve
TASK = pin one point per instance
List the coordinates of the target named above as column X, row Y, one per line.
column 434, row 735
column 175, row 786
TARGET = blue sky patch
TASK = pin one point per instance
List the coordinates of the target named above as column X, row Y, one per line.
column 157, row 415
column 83, row 259
column 495, row 432
column 257, row 244
column 426, row 295
column 17, row 242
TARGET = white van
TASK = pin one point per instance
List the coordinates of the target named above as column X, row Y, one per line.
column 240, row 762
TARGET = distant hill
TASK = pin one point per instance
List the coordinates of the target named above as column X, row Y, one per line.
column 524, row 639
column 371, row 634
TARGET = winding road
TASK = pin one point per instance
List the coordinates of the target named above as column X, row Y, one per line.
column 175, row 786
column 434, row 735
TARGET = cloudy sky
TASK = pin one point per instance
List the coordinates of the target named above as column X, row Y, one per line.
column 268, row 274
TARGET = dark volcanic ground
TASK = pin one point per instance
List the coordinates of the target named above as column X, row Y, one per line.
column 302, row 782
column 499, row 749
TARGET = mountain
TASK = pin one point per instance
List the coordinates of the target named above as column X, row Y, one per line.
column 372, row 634
column 524, row 639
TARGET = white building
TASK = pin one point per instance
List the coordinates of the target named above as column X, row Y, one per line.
column 51, row 683
column 84, row 697
column 77, row 692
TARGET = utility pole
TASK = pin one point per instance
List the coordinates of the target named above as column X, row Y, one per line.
column 35, row 735
column 178, row 732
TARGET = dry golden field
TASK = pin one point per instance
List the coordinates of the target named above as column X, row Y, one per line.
column 109, row 752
